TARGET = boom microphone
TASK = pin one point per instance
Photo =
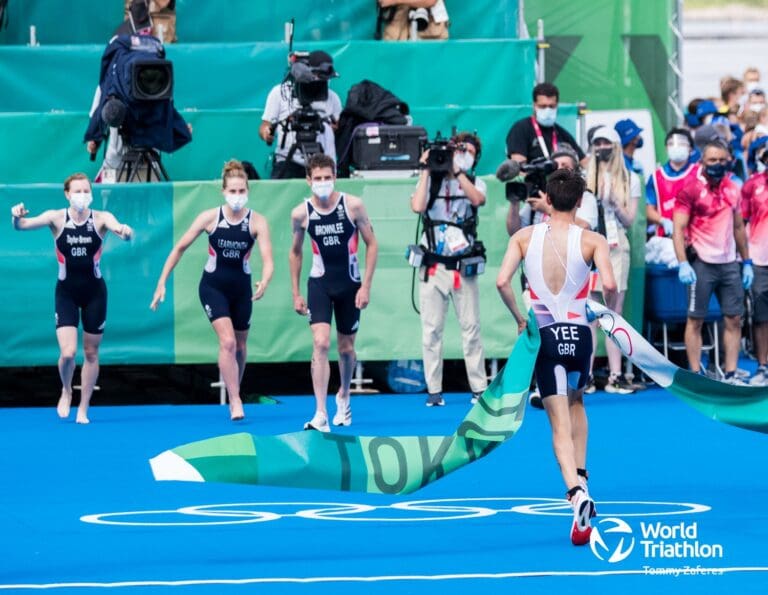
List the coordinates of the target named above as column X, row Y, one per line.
column 508, row 170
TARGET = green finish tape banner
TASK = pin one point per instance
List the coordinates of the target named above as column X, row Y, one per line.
column 403, row 464
column 375, row 464
column 742, row 406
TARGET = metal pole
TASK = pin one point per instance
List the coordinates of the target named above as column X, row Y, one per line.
column 522, row 28
column 542, row 45
column 675, row 63
column 222, row 390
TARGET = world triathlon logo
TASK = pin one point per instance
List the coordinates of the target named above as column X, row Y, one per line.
column 612, row 540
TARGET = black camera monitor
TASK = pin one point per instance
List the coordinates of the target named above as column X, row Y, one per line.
column 309, row 92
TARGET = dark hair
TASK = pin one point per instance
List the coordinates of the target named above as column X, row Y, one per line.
column 472, row 139
column 680, row 131
column 547, row 90
column 694, row 105
column 565, row 188
column 717, row 143
column 318, row 161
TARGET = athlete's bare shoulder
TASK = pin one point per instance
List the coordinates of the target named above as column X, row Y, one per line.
column 299, row 217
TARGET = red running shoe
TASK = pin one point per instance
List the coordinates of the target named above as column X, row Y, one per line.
column 583, row 510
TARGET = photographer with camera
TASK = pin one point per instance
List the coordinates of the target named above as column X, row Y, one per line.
column 414, row 20
column 301, row 112
column 450, row 257
column 528, row 200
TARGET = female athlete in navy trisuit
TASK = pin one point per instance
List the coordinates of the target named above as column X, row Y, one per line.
column 79, row 234
column 225, row 287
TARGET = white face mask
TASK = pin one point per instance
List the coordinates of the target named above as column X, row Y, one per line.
column 546, row 116
column 757, row 107
column 752, row 85
column 322, row 190
column 760, row 167
column 463, row 161
column 678, row 153
column 236, row 201
column 80, row 200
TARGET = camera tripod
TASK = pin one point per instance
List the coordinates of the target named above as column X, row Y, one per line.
column 140, row 164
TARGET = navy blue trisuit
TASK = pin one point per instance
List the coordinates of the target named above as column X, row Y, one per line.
column 335, row 276
column 80, row 290
column 225, row 287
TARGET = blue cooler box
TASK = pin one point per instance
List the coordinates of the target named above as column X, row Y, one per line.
column 666, row 298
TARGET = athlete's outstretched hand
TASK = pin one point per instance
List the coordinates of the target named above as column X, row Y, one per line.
column 258, row 290
column 300, row 305
column 125, row 232
column 362, row 297
column 158, row 298
column 19, row 210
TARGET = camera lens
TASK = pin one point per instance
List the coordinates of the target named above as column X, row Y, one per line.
column 153, row 81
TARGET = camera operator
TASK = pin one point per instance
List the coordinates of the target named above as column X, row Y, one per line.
column 280, row 119
column 531, row 206
column 447, row 197
column 414, row 20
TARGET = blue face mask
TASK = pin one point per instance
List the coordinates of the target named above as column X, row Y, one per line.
column 716, row 172
column 640, row 143
column 546, row 116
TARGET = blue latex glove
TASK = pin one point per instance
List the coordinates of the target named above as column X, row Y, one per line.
column 686, row 274
column 747, row 275
column 668, row 226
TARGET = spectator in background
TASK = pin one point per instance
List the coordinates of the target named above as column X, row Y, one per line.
column 708, row 231
column 289, row 160
column 137, row 20
column 617, row 190
column 751, row 79
column 755, row 148
column 631, row 140
column 668, row 180
column 731, row 93
column 160, row 15
column 416, row 19
column 537, row 137
column 754, row 209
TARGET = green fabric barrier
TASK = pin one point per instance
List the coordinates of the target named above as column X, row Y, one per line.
column 239, row 76
column 92, row 21
column 374, row 464
column 29, row 268
column 218, row 135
